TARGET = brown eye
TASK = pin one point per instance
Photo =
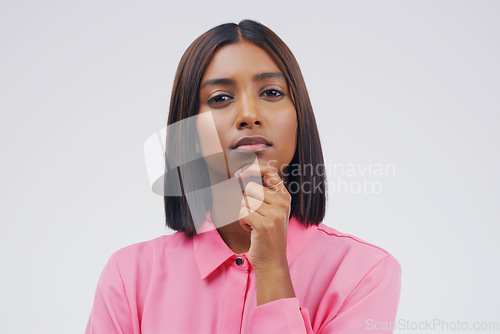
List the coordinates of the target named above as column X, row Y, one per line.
column 273, row 92
column 218, row 99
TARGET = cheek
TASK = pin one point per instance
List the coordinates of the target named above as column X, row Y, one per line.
column 291, row 127
column 208, row 136
column 288, row 134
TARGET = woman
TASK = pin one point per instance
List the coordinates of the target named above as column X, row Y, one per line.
column 250, row 254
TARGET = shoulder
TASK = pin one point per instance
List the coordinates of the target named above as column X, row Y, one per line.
column 352, row 266
column 348, row 240
column 176, row 239
column 141, row 255
column 354, row 253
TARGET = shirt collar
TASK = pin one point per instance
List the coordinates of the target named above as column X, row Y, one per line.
column 211, row 251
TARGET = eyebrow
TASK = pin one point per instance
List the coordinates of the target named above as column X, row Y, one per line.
column 257, row 77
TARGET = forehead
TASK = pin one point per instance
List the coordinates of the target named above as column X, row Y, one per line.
column 239, row 58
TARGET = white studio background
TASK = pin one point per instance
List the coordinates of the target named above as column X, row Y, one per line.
column 408, row 84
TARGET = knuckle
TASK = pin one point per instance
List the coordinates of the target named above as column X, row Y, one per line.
column 285, row 203
column 275, row 217
column 244, row 212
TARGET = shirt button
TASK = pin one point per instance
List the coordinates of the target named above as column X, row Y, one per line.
column 239, row 261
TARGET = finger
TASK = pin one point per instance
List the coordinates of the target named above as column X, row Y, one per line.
column 267, row 196
column 249, row 173
column 249, row 170
column 249, row 218
column 243, row 214
column 272, row 179
column 255, row 205
column 255, row 191
column 269, row 175
column 256, row 170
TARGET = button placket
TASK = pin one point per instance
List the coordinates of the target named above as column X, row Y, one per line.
column 234, row 298
column 240, row 262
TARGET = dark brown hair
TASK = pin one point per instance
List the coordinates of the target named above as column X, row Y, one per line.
column 306, row 207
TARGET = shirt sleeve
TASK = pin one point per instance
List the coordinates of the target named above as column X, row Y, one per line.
column 370, row 307
column 111, row 311
column 281, row 316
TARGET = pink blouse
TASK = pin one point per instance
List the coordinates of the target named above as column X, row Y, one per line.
column 173, row 284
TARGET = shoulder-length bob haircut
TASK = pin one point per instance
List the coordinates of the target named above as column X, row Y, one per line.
column 306, row 172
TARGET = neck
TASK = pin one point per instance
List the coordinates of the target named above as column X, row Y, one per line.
column 235, row 237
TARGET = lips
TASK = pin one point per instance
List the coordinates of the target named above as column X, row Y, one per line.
column 253, row 140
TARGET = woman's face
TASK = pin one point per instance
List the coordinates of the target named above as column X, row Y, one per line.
column 247, row 96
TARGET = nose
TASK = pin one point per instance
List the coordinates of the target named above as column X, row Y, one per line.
column 248, row 113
